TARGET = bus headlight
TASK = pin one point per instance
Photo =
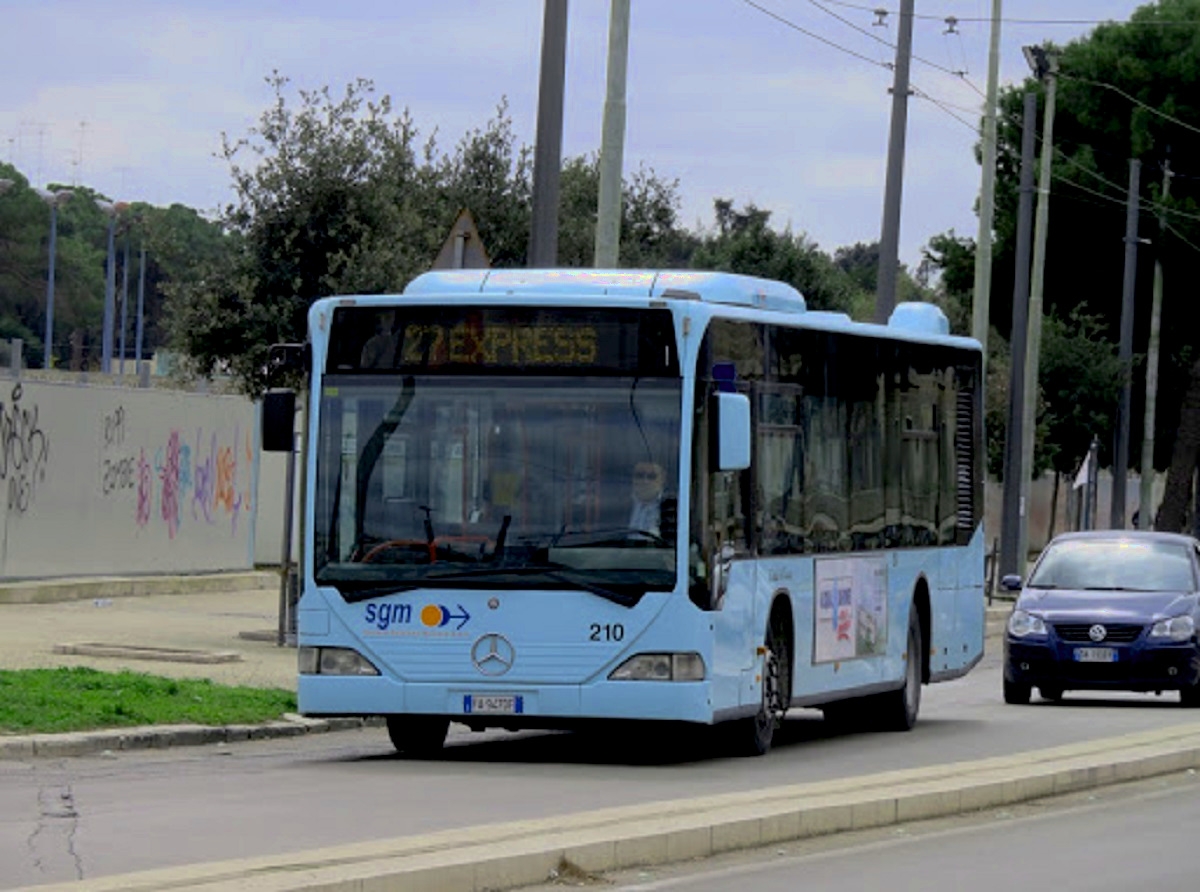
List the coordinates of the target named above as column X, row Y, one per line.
column 660, row 667
column 333, row 661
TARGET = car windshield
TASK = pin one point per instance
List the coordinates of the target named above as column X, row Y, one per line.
column 1115, row 564
column 500, row 481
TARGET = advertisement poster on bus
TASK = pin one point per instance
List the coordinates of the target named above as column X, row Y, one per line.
column 850, row 615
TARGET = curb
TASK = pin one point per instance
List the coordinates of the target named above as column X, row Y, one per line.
column 530, row 852
column 89, row 743
column 47, row 591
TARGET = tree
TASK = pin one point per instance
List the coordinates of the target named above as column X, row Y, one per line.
column 951, row 260
column 1125, row 91
column 1080, row 381
column 744, row 243
column 337, row 199
column 328, row 202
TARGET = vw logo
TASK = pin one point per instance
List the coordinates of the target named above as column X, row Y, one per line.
column 492, row 654
column 1097, row 632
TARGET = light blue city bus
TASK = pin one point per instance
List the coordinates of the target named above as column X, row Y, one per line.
column 557, row 498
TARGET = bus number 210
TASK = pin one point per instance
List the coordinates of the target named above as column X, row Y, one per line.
column 607, row 632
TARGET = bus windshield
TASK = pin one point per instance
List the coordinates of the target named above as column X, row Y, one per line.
column 495, row 481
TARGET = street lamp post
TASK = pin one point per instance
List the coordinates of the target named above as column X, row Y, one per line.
column 110, row 210
column 137, row 345
column 55, row 200
column 1044, row 65
column 124, row 303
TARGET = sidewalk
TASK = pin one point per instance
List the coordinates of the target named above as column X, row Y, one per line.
column 222, row 627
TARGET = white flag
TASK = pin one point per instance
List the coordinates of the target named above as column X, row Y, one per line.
column 1085, row 473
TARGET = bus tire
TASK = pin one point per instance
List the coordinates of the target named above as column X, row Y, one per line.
column 753, row 736
column 420, row 736
column 898, row 709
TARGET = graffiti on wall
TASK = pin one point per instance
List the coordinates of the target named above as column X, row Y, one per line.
column 24, row 451
column 193, row 477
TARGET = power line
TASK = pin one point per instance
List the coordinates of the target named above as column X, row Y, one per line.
column 806, row 32
column 1149, row 207
column 1175, row 232
column 1133, row 99
column 944, row 106
column 874, row 10
column 888, row 65
column 879, row 39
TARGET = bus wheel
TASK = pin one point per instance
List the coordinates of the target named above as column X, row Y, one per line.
column 754, row 735
column 899, row 708
column 418, row 735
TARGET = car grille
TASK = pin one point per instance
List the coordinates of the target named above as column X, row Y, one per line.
column 1118, row 633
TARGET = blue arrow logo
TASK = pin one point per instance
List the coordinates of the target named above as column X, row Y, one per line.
column 450, row 616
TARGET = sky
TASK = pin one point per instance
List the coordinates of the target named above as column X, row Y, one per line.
column 785, row 104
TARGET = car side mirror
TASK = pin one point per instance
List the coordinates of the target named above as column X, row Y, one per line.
column 1011, row 582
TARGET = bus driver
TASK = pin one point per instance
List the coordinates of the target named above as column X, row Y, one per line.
column 647, row 493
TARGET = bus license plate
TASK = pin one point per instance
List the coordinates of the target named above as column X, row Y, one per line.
column 495, row 704
column 1095, row 655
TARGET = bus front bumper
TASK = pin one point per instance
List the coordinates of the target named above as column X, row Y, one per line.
column 329, row 695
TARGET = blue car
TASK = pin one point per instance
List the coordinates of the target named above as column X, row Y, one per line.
column 1106, row 610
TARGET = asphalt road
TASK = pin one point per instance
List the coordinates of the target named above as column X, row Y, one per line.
column 88, row 817
column 1137, row 836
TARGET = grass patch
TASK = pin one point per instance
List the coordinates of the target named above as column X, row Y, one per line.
column 48, row 701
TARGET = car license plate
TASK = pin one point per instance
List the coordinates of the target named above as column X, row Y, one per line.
column 496, row 704
column 1095, row 655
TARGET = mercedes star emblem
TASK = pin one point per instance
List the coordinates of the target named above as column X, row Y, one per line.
column 492, row 654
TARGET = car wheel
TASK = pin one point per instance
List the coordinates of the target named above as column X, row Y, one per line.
column 1016, row 693
column 1053, row 693
column 1190, row 696
column 420, row 736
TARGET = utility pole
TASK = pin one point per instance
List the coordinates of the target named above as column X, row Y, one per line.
column 981, row 305
column 612, row 141
column 1045, row 67
column 889, row 241
column 1146, row 496
column 547, row 154
column 106, row 339
column 141, row 300
column 1125, row 350
column 1014, row 507
column 124, row 303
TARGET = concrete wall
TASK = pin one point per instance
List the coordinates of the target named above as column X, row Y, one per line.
column 1047, row 517
column 97, row 479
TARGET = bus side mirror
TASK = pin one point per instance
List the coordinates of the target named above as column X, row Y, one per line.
column 278, row 420
column 289, row 358
column 733, row 431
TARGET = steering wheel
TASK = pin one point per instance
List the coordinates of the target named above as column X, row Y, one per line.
column 427, row 547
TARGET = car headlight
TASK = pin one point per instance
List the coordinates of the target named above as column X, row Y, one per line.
column 1021, row 623
column 333, row 661
column 1177, row 628
column 660, row 667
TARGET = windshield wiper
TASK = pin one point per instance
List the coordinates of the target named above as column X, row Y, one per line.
column 596, row 537
column 352, row 594
column 555, row 571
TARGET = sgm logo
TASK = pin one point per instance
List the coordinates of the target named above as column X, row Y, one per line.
column 383, row 615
